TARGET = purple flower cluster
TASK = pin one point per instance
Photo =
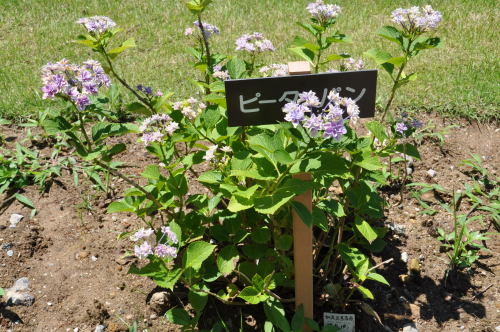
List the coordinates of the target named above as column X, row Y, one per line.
column 73, row 82
column 254, row 43
column 208, row 29
column 274, row 70
column 163, row 250
column 323, row 12
column 406, row 123
column 351, row 64
column 221, row 74
column 97, row 24
column 156, row 127
column 330, row 120
column 191, row 108
column 416, row 20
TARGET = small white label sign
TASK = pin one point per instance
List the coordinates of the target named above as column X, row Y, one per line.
column 345, row 322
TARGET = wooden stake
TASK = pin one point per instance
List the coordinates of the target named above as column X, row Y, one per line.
column 302, row 235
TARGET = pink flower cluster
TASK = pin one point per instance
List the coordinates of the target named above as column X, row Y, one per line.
column 73, row 82
column 274, row 70
column 254, row 43
column 351, row 64
column 323, row 12
column 163, row 247
column 97, row 24
column 330, row 120
column 416, row 20
column 156, row 127
column 191, row 108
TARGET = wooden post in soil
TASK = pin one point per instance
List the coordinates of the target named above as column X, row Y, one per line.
column 302, row 235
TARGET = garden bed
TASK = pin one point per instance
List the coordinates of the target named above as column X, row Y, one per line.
column 78, row 274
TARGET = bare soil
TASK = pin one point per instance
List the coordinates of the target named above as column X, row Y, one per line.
column 78, row 274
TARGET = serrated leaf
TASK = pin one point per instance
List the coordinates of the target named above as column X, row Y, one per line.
column 178, row 316
column 197, row 253
column 227, row 259
column 304, row 53
column 391, row 33
column 380, row 56
column 304, row 214
column 365, row 229
column 236, row 68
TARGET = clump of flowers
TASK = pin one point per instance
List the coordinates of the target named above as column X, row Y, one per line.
column 274, row 70
column 156, row 127
column 406, row 125
column 97, row 25
column 254, row 43
column 211, row 150
column 220, row 74
column 73, row 82
column 329, row 120
column 208, row 29
column 351, row 64
column 163, row 247
column 322, row 12
column 191, row 108
column 416, row 20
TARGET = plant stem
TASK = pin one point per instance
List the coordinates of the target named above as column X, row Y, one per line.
column 209, row 56
column 125, row 84
column 318, row 58
column 393, row 90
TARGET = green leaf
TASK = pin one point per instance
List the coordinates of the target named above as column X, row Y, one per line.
column 119, row 206
column 151, row 172
column 271, row 203
column 283, row 242
column 377, row 129
column 238, row 203
column 333, row 57
column 365, row 229
column 391, row 33
column 2, row 292
column 304, row 214
column 227, row 259
column 351, row 256
column 365, row 292
column 236, row 68
column 339, row 38
column 261, row 235
column 377, row 277
column 321, row 162
column 178, row 316
column 197, row 253
column 25, row 200
column 211, row 177
column 380, row 56
column 129, row 43
column 198, row 300
column 252, row 295
column 298, row 319
column 276, row 314
column 408, row 149
column 304, row 53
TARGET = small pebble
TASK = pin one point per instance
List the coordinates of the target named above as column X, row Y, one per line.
column 432, row 173
column 93, row 258
column 404, row 256
column 100, row 328
column 10, row 253
column 49, row 304
column 15, row 219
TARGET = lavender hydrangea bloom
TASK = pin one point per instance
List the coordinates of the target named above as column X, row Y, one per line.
column 97, row 24
column 208, row 29
column 156, row 127
column 323, row 12
column 220, row 74
column 416, row 20
column 351, row 64
column 73, row 82
column 141, row 234
column 401, row 127
column 169, row 234
column 274, row 70
column 191, row 108
column 163, row 250
column 334, row 129
column 210, row 153
column 254, row 43
column 330, row 119
column 143, row 251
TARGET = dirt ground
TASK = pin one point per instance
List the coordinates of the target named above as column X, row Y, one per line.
column 75, row 265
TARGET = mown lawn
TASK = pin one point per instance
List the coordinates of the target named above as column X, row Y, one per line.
column 461, row 78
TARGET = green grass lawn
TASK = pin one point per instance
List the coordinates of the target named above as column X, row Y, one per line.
column 461, row 78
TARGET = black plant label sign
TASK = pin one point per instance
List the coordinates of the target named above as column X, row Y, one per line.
column 258, row 101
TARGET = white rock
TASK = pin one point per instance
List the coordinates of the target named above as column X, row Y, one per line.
column 497, row 328
column 100, row 328
column 49, row 304
column 17, row 295
column 409, row 170
column 432, row 173
column 15, row 219
column 410, row 327
column 404, row 256
column 93, row 258
column 10, row 253
column 76, row 329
